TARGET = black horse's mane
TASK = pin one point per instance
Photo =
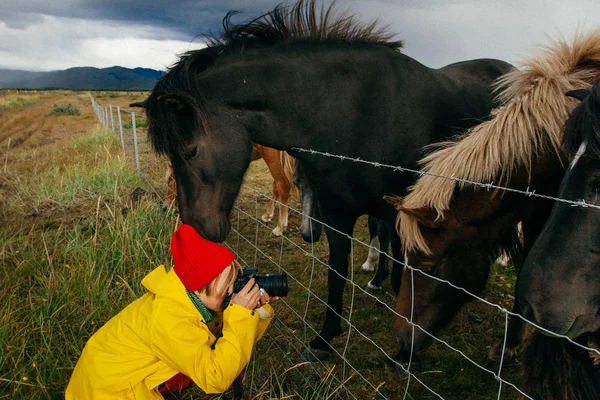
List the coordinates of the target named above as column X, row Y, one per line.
column 556, row 370
column 302, row 22
column 283, row 25
column 584, row 124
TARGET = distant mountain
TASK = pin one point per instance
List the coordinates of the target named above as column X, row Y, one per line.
column 81, row 78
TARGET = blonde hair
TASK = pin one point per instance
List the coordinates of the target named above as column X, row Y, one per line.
column 233, row 273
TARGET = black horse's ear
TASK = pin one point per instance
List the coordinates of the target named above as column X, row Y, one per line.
column 578, row 94
column 176, row 101
column 141, row 104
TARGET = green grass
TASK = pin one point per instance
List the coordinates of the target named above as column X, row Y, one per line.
column 64, row 109
column 75, row 249
column 10, row 102
column 99, row 171
column 140, row 121
column 64, row 280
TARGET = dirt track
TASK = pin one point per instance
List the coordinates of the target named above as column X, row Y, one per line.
column 31, row 140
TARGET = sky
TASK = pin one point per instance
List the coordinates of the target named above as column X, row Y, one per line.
column 44, row 35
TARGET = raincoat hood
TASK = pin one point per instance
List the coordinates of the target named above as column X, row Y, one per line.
column 167, row 285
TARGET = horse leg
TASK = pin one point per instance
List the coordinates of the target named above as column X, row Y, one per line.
column 339, row 250
column 281, row 187
column 270, row 211
column 283, row 190
column 382, row 268
column 373, row 257
column 515, row 331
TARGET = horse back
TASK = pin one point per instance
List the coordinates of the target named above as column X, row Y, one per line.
column 468, row 87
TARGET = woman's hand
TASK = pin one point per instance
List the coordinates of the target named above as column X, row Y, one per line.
column 248, row 297
column 265, row 298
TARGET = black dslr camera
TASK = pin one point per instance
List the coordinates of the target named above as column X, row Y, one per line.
column 273, row 284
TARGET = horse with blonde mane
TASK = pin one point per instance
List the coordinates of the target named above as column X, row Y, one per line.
column 281, row 166
column 453, row 230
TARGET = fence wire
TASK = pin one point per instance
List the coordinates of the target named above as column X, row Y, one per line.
column 293, row 324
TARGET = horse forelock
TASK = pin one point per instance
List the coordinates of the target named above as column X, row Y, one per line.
column 166, row 132
column 412, row 238
column 529, row 123
column 302, row 22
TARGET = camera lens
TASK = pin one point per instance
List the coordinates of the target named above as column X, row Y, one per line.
column 273, row 284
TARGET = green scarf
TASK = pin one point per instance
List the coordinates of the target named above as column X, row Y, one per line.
column 207, row 314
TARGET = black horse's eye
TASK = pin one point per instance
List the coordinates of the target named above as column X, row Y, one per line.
column 190, row 153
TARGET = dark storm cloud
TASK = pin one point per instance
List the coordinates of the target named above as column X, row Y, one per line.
column 179, row 20
column 43, row 34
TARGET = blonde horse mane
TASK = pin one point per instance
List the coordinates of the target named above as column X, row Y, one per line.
column 529, row 123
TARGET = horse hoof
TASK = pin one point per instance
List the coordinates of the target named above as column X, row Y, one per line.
column 496, row 352
column 366, row 267
column 403, row 363
column 312, row 354
column 277, row 231
column 266, row 218
column 372, row 288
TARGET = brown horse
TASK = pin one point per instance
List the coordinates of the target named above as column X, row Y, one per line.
column 280, row 164
column 452, row 231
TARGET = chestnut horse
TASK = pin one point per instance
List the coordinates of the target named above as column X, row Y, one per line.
column 453, row 231
column 280, row 164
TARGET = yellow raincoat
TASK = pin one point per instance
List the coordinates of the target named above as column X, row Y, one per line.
column 157, row 336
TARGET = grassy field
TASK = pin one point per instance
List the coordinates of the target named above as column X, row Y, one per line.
column 79, row 229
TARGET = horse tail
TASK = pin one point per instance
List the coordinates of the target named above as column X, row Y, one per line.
column 168, row 173
column 558, row 370
column 289, row 166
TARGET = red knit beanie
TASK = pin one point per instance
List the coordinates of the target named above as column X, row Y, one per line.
column 197, row 261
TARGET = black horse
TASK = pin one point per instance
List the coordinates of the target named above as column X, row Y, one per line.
column 293, row 79
column 559, row 285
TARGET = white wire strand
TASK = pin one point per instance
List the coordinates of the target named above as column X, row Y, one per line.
column 488, row 186
column 406, row 265
column 501, row 309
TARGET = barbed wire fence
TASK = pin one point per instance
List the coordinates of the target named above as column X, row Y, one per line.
column 296, row 319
